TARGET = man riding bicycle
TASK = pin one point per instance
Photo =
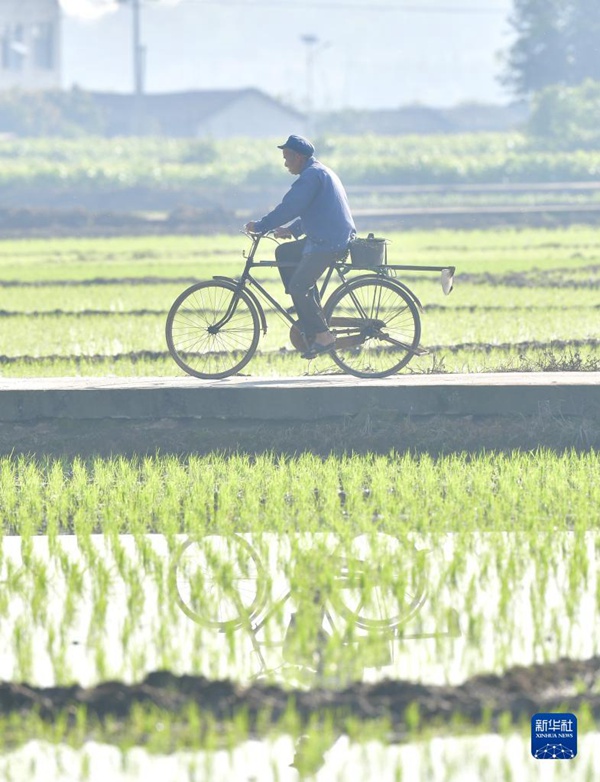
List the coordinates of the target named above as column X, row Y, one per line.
column 318, row 206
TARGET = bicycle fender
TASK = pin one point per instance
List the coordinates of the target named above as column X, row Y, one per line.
column 253, row 297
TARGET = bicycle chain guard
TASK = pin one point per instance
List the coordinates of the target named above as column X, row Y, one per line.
column 297, row 339
column 341, row 342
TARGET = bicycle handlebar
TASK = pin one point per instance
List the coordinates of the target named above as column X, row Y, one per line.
column 256, row 237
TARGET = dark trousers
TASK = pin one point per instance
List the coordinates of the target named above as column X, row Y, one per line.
column 300, row 275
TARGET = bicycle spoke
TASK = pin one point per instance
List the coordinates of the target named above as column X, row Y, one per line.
column 220, row 581
column 387, row 329
column 212, row 329
column 368, row 602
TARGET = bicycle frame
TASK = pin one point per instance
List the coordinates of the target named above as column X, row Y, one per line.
column 341, row 268
column 246, row 279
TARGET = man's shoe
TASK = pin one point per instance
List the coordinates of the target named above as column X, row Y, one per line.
column 316, row 349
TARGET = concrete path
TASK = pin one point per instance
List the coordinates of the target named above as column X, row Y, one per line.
column 300, row 399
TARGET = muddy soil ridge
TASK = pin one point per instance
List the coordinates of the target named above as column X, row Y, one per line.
column 178, row 215
column 566, row 685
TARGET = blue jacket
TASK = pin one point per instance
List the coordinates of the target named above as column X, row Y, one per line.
column 319, row 202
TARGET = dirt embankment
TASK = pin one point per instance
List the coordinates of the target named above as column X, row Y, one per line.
column 436, row 435
column 30, row 222
column 565, row 685
column 81, row 221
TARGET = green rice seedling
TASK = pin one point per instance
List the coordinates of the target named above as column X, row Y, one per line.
column 37, row 603
column 166, row 648
column 56, row 650
column 135, row 593
column 151, row 496
column 16, row 582
column 86, row 502
column 28, row 513
column 9, row 498
column 138, row 662
column 101, row 590
column 74, row 582
column 23, row 648
column 577, row 568
column 329, row 510
column 119, row 554
column 127, row 631
column 56, row 504
column 86, row 767
column 100, row 659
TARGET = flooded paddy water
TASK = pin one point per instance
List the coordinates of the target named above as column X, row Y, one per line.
column 298, row 610
column 405, row 616
column 471, row 759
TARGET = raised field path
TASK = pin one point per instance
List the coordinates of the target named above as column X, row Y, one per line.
column 311, row 398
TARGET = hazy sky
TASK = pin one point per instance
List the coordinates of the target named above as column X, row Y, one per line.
column 377, row 54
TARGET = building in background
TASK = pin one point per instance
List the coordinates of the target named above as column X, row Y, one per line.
column 425, row 120
column 199, row 113
column 29, row 44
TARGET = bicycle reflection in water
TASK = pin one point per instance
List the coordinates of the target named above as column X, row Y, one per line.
column 329, row 612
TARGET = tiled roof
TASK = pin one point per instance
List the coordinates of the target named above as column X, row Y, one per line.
column 175, row 110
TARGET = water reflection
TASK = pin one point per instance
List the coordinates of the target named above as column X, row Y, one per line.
column 311, row 754
column 314, row 610
column 493, row 758
column 294, row 608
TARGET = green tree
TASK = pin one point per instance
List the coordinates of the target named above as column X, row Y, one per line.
column 567, row 117
column 557, row 42
column 51, row 113
column 583, row 44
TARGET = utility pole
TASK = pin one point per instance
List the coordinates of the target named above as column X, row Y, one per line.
column 313, row 46
column 138, row 51
column 138, row 70
column 310, row 42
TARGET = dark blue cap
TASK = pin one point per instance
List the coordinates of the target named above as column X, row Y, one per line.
column 298, row 144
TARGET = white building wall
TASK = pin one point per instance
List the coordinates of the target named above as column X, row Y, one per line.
column 29, row 44
column 251, row 116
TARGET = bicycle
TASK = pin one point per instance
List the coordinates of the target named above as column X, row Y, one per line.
column 213, row 327
column 222, row 583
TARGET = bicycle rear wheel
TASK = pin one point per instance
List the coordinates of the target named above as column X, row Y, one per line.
column 209, row 334
column 377, row 327
column 380, row 585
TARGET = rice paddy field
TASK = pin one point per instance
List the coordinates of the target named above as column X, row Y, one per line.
column 523, row 299
column 394, row 617
column 332, row 582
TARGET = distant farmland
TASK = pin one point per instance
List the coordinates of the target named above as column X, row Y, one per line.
column 523, row 300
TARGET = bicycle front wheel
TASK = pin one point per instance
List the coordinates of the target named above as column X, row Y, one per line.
column 220, row 582
column 377, row 327
column 212, row 329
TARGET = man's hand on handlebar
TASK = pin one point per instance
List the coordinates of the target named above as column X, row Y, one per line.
column 278, row 233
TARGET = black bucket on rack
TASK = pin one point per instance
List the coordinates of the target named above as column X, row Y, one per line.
column 368, row 253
